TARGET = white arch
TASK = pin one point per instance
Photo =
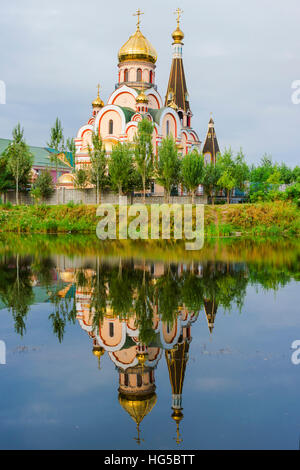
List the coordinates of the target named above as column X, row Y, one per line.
column 152, row 91
column 104, row 110
column 175, row 115
column 87, row 127
column 118, row 346
column 122, row 89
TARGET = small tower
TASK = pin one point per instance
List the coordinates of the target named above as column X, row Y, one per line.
column 211, row 147
column 177, row 95
column 137, row 58
column 142, row 102
column 210, row 307
column 97, row 103
column 176, row 359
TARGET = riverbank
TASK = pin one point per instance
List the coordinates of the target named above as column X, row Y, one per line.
column 262, row 219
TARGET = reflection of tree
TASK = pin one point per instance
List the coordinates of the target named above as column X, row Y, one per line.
column 64, row 312
column 121, row 290
column 225, row 284
column 16, row 291
column 99, row 295
column 143, row 307
column 192, row 291
column 168, row 295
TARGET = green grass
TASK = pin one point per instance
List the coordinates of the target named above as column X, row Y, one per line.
column 261, row 219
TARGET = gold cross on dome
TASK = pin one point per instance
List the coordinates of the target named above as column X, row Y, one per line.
column 178, row 12
column 98, row 86
column 138, row 14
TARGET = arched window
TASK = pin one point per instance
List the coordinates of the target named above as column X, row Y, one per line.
column 151, row 77
column 111, row 126
column 126, row 75
column 168, row 128
column 111, row 330
column 126, row 380
column 139, row 75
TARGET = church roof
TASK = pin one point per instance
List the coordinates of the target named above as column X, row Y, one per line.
column 177, row 86
column 128, row 112
column 211, row 144
column 41, row 155
column 176, row 360
column 138, row 48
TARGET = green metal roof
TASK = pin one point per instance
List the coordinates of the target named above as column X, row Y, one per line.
column 128, row 113
column 41, row 156
column 156, row 114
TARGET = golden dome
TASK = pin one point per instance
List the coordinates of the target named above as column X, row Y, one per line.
column 173, row 105
column 98, row 103
column 66, row 178
column 142, row 98
column 139, row 407
column 177, row 36
column 137, row 48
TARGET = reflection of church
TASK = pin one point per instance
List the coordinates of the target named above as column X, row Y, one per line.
column 135, row 362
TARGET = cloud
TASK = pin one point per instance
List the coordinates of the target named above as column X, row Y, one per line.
column 240, row 62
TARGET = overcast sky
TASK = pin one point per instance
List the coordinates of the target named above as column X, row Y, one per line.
column 240, row 60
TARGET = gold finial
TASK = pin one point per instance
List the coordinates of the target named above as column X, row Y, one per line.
column 138, row 438
column 178, row 439
column 178, row 12
column 178, row 34
column 98, row 102
column 177, row 416
column 138, row 14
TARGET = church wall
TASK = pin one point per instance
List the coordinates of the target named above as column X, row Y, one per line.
column 125, row 99
column 104, row 123
column 153, row 102
column 104, row 332
column 172, row 126
column 131, row 131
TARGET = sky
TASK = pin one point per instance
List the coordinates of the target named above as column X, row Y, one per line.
column 240, row 59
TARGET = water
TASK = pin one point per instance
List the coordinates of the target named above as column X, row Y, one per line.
column 125, row 348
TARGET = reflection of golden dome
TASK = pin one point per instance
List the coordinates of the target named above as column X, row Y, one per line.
column 177, row 35
column 98, row 351
column 138, row 407
column 142, row 358
column 177, row 416
column 137, row 48
column 67, row 276
column 142, row 98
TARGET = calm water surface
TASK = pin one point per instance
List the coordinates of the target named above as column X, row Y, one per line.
column 119, row 351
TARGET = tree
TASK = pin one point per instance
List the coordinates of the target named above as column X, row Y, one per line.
column 98, row 171
column 57, row 144
column 43, row 187
column 81, row 179
column 20, row 159
column 241, row 170
column 192, row 172
column 6, row 177
column 168, row 166
column 234, row 171
column 143, row 152
column 227, row 182
column 211, row 177
column 121, row 169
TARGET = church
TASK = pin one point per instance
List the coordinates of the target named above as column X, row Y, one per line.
column 136, row 97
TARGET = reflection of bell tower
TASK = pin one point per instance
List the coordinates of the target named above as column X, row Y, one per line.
column 210, row 307
column 137, row 391
column 177, row 358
